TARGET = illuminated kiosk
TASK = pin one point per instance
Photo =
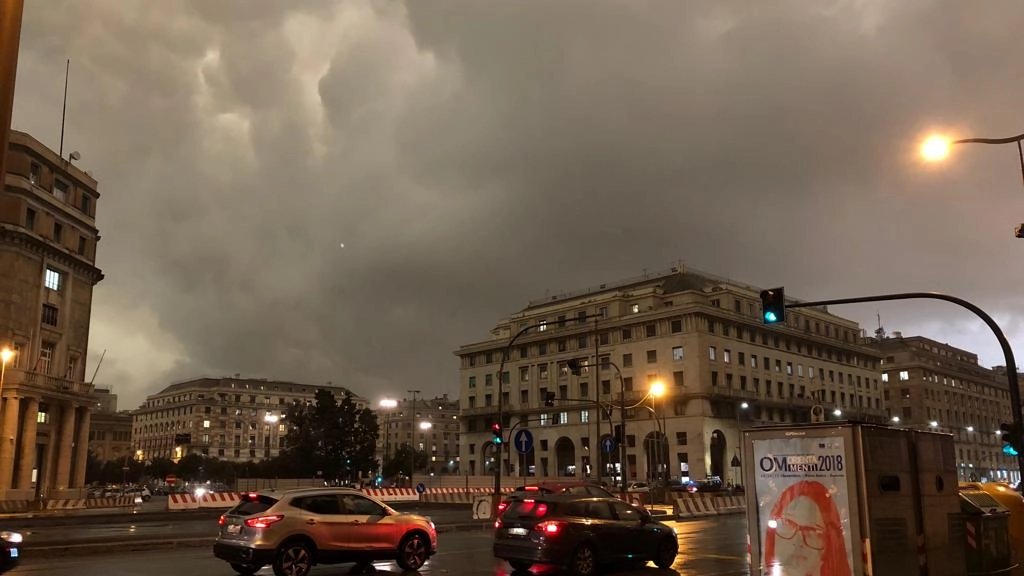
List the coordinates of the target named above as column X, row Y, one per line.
column 852, row 499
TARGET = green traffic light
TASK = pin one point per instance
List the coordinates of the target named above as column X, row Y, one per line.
column 769, row 316
column 1010, row 451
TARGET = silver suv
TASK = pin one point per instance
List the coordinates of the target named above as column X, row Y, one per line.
column 297, row 529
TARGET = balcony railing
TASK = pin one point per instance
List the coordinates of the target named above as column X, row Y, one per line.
column 16, row 376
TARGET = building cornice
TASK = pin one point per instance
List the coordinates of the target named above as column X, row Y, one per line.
column 33, row 243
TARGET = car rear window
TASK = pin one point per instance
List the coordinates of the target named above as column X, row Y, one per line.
column 253, row 504
column 529, row 508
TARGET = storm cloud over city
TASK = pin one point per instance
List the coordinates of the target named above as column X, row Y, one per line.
column 347, row 191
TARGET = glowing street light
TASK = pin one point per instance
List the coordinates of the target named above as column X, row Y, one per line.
column 657, row 389
column 936, row 148
column 934, row 424
column 896, row 419
column 5, row 356
column 837, row 412
column 426, row 425
column 388, row 403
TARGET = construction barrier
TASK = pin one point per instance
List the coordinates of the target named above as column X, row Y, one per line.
column 700, row 505
column 66, row 504
column 482, row 507
column 14, row 506
column 223, row 500
column 115, row 502
column 182, row 502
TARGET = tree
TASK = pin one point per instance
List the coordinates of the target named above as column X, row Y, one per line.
column 93, row 468
column 399, row 463
column 159, row 468
column 329, row 438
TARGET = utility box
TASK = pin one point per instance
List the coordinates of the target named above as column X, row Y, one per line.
column 850, row 499
column 986, row 534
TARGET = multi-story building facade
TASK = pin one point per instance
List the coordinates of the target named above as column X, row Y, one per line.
column 934, row 386
column 110, row 436
column 105, row 400
column 236, row 419
column 702, row 337
column 429, row 424
column 48, row 240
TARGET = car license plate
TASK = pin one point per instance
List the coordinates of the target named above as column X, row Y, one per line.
column 518, row 531
column 14, row 552
column 234, row 528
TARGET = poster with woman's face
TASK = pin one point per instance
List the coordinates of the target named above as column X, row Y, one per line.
column 803, row 506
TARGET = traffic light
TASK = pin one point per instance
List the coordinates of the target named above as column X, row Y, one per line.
column 496, row 431
column 1013, row 439
column 773, row 305
column 574, row 366
column 549, row 399
column 618, row 433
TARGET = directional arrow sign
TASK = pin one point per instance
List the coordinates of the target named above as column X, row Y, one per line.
column 523, row 441
column 608, row 444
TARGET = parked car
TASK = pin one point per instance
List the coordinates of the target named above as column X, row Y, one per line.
column 296, row 529
column 582, row 534
column 10, row 550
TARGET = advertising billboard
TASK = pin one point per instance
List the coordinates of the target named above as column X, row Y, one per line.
column 803, row 500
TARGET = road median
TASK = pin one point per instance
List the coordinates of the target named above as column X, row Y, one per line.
column 124, row 545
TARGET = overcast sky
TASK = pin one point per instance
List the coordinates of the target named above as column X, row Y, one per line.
column 472, row 155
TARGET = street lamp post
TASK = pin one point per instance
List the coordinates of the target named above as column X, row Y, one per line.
column 936, row 148
column 412, row 445
column 387, row 405
column 657, row 391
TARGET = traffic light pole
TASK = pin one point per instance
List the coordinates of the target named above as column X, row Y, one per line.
column 1011, row 364
column 505, row 357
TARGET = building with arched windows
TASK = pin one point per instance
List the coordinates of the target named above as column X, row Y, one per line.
column 587, row 358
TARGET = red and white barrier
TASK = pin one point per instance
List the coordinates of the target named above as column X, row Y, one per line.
column 182, row 502
column 223, row 500
column 66, row 504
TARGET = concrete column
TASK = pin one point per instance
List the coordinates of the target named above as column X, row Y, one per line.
column 27, row 461
column 64, row 449
column 8, row 432
column 81, row 447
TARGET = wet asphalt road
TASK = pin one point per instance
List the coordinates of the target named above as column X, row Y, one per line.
column 708, row 547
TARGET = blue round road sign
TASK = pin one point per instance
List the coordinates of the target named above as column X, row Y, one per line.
column 421, row 488
column 608, row 444
column 523, row 441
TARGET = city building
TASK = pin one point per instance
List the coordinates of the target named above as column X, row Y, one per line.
column 234, row 418
column 105, row 400
column 933, row 386
column 110, row 435
column 697, row 341
column 431, row 424
column 48, row 240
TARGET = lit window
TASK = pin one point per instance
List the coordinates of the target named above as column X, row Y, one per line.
column 904, row 375
column 54, row 280
column 677, row 353
column 206, row 423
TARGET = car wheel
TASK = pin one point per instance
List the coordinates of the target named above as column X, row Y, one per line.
column 293, row 559
column 667, row 552
column 520, row 566
column 584, row 561
column 245, row 570
column 413, row 552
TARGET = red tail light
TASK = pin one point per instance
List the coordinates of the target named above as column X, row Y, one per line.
column 502, row 506
column 541, row 510
column 497, row 523
column 221, row 521
column 550, row 527
column 263, row 521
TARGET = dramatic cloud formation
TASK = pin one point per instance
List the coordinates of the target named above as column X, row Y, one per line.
column 472, row 155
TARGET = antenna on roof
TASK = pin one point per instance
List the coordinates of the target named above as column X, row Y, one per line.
column 98, row 364
column 64, row 112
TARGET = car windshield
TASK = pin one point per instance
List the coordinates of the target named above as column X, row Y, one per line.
column 251, row 504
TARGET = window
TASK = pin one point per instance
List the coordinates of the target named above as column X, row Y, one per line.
column 34, row 172
column 58, row 232
column 652, row 356
column 46, row 353
column 54, row 280
column 49, row 315
column 72, row 365
column 206, row 423
column 82, row 243
column 60, row 190
column 86, row 204
column 677, row 326
column 635, row 308
column 30, row 219
column 726, row 356
column 712, row 353
column 677, row 353
column 904, row 375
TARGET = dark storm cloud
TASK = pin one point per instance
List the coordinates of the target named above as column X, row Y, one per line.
column 472, row 155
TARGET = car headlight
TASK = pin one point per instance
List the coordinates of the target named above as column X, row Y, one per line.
column 14, row 537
